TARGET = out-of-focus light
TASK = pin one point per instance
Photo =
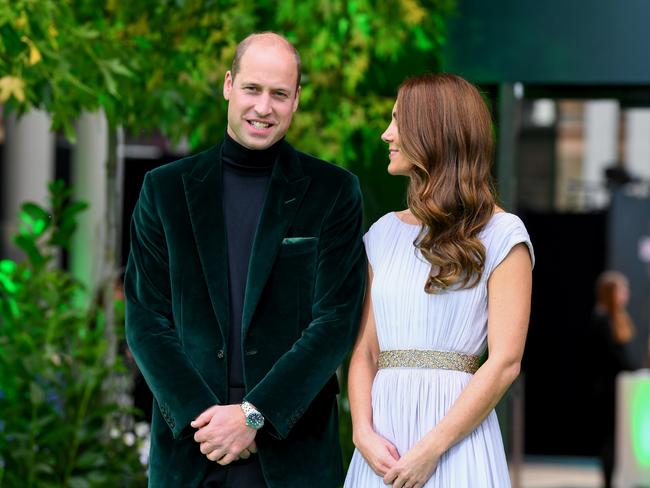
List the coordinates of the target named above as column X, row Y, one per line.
column 632, row 467
column 543, row 114
column 518, row 90
column 641, row 423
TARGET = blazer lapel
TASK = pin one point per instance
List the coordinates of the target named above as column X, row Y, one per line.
column 286, row 190
column 203, row 195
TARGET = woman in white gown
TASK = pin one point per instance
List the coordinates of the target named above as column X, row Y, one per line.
column 447, row 277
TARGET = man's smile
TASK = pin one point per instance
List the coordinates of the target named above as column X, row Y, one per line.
column 258, row 124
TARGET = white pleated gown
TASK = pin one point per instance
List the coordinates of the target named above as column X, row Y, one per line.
column 408, row 402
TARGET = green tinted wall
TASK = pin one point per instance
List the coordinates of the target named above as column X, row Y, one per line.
column 551, row 41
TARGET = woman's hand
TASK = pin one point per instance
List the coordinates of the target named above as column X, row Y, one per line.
column 380, row 454
column 414, row 469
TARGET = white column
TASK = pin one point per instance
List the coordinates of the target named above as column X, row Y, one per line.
column 637, row 142
column 601, row 148
column 89, row 184
column 28, row 167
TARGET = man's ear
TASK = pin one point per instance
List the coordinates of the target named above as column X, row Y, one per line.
column 227, row 85
column 296, row 100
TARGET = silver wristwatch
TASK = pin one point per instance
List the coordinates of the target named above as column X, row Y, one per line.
column 254, row 418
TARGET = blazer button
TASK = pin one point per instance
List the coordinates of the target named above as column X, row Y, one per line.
column 220, row 354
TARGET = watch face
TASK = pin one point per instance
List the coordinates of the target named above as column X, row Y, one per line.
column 255, row 420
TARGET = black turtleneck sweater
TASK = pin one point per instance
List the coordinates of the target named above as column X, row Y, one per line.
column 246, row 174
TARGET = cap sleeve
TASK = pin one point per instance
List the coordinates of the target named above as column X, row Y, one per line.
column 507, row 232
column 368, row 242
column 372, row 241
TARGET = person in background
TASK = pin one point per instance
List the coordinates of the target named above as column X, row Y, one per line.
column 612, row 329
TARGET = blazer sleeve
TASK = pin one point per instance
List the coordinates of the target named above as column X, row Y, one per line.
column 288, row 389
column 180, row 391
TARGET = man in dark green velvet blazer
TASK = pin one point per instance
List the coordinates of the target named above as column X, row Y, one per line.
column 303, row 293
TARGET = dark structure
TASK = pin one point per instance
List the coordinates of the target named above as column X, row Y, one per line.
column 560, row 49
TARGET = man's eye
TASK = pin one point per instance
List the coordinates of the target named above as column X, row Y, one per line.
column 282, row 95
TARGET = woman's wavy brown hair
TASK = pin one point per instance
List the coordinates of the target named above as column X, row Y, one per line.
column 445, row 130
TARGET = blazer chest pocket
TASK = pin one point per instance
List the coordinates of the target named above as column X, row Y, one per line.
column 296, row 246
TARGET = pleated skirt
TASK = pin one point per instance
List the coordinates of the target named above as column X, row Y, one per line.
column 407, row 403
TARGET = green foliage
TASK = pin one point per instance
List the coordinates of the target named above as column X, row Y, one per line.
column 53, row 423
column 159, row 65
column 155, row 65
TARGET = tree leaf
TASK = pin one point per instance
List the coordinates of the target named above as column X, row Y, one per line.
column 34, row 54
column 43, row 468
column 28, row 245
column 35, row 217
column 86, row 32
column 77, row 482
column 118, row 68
column 78, row 83
column 12, row 86
column 36, row 393
column 111, row 85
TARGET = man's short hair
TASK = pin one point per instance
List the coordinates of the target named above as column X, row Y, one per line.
column 243, row 45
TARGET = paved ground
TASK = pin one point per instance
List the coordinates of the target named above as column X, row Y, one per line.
column 552, row 472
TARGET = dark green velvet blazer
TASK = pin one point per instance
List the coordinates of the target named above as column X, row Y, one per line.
column 301, row 313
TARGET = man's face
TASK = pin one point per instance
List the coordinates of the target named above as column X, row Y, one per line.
column 263, row 95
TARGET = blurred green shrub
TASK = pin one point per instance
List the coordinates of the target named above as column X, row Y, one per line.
column 55, row 427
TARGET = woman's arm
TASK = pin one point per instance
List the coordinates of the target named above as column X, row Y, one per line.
column 380, row 454
column 509, row 290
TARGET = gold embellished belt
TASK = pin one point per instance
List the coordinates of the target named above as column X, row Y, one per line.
column 417, row 358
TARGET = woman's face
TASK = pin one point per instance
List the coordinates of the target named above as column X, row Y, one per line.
column 398, row 163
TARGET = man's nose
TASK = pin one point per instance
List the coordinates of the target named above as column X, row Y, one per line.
column 263, row 105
